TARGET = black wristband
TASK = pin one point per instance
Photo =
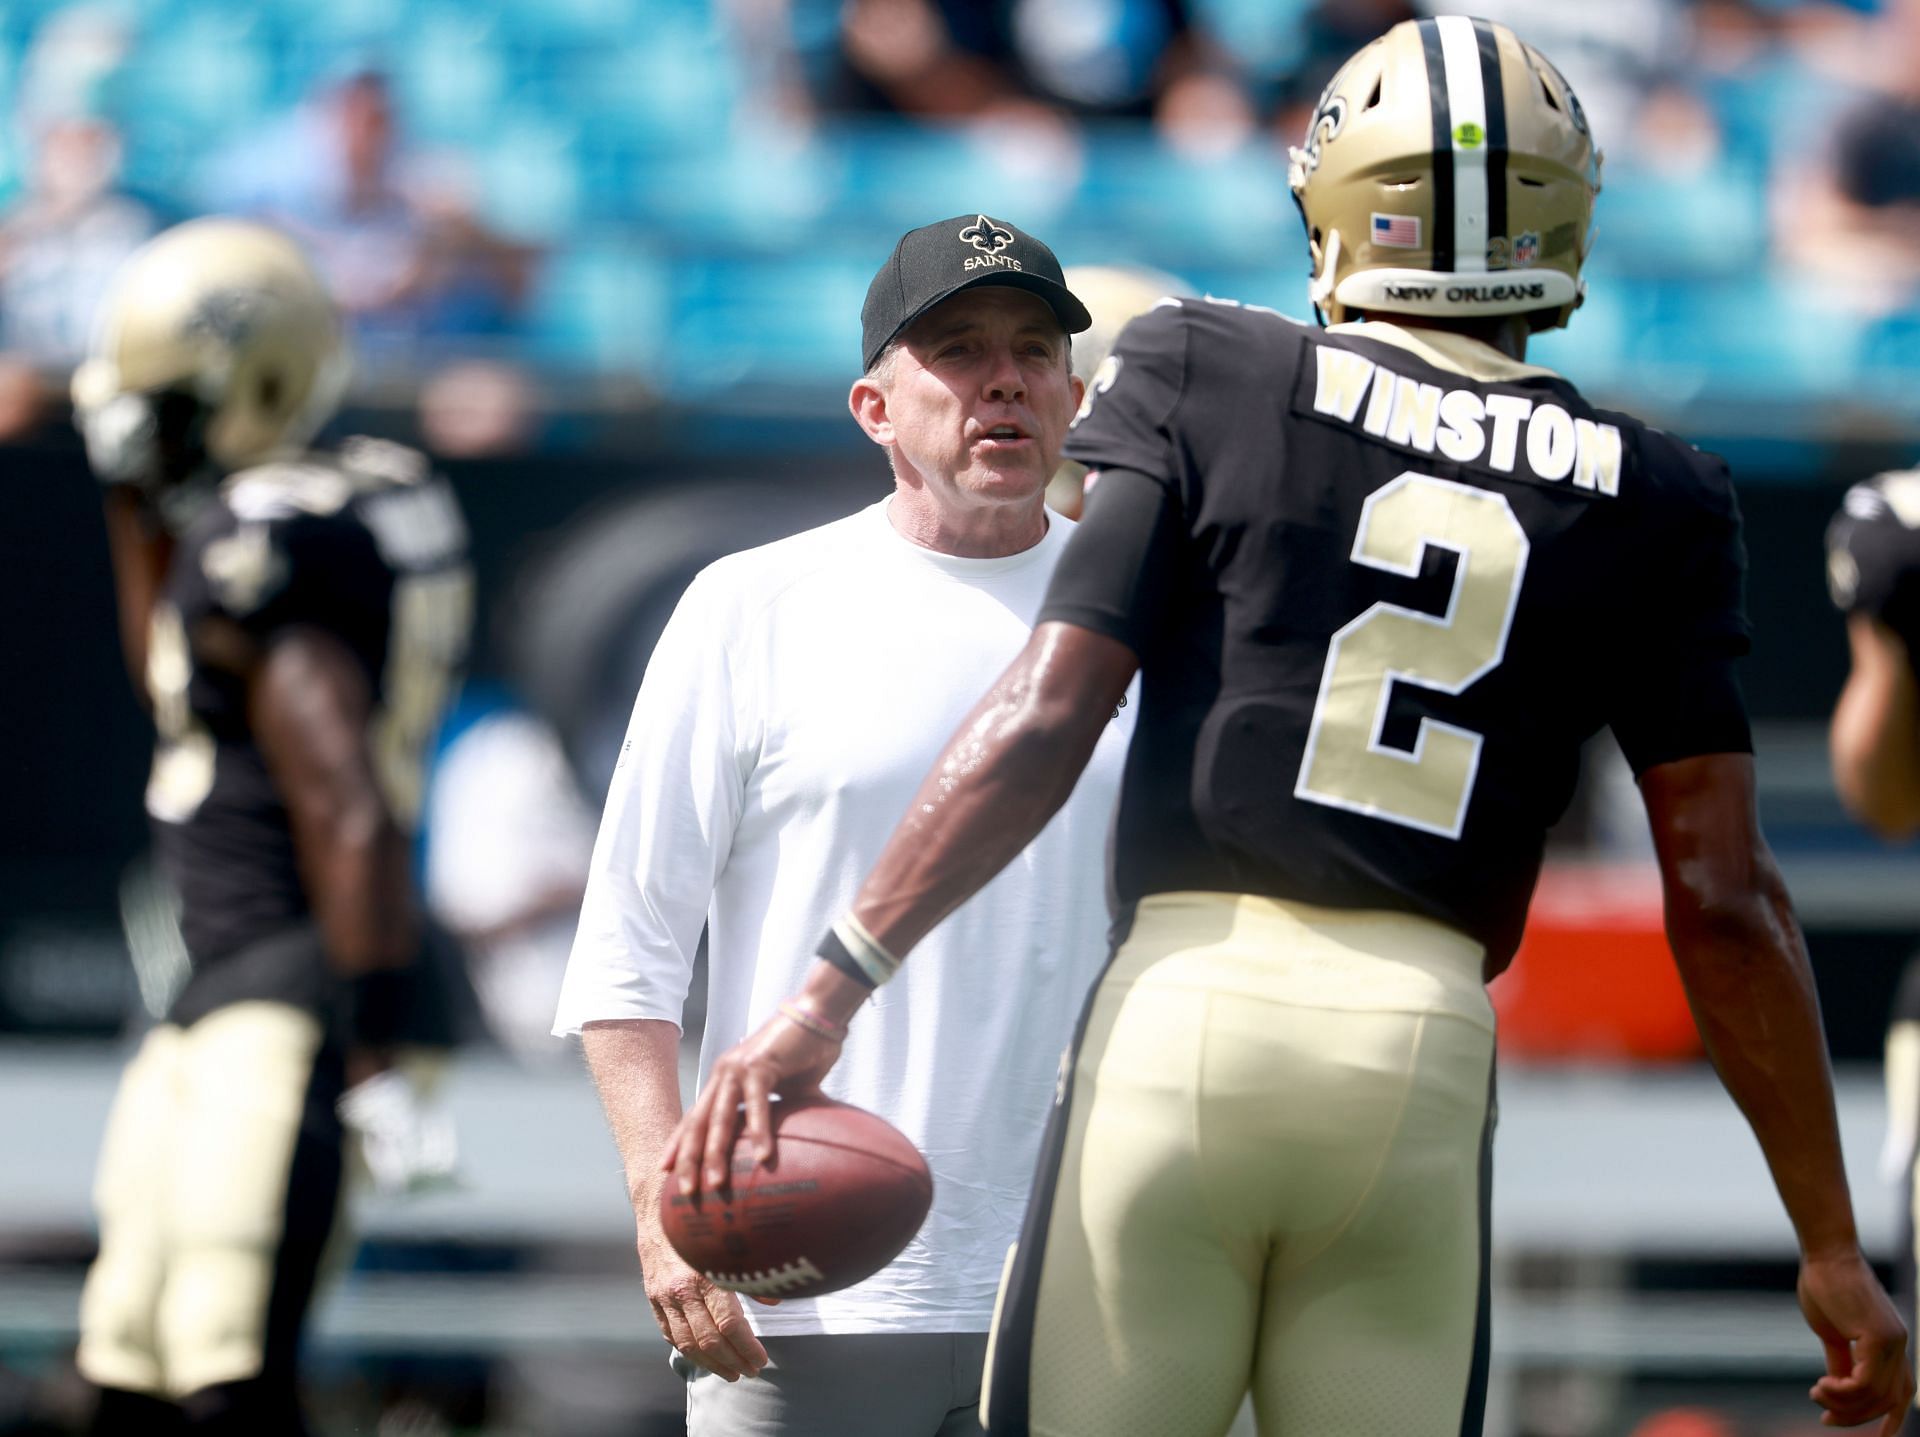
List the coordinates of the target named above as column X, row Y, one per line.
column 378, row 1005
column 835, row 952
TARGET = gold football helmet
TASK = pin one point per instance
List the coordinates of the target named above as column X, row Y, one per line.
column 1113, row 295
column 217, row 348
column 1448, row 171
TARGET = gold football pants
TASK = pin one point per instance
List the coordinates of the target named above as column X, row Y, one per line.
column 217, row 1191
column 1266, row 1171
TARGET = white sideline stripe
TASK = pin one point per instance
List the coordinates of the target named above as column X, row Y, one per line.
column 1467, row 101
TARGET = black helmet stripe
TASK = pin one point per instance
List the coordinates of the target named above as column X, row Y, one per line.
column 1442, row 236
column 1496, row 127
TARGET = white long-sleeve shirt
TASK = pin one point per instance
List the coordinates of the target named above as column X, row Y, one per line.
column 796, row 699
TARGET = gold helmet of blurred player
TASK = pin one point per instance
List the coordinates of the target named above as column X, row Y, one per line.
column 217, row 348
column 1448, row 171
column 1113, row 294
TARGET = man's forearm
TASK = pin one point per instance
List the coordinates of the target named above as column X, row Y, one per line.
column 1752, row 992
column 636, row 1066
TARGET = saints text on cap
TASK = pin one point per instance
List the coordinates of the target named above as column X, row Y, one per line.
column 937, row 261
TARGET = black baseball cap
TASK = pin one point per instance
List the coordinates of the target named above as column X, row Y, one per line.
column 937, row 261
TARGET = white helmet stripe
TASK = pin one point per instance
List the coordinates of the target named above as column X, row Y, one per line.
column 1467, row 100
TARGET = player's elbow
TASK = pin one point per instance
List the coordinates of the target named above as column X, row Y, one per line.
column 1726, row 906
column 1048, row 743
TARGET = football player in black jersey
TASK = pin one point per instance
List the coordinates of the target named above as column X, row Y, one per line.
column 1873, row 572
column 1381, row 581
column 293, row 619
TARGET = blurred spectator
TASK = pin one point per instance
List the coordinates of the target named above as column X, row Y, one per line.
column 478, row 408
column 398, row 244
column 508, row 837
column 957, row 60
column 1614, row 56
column 1847, row 210
column 1329, row 34
column 63, row 238
column 71, row 226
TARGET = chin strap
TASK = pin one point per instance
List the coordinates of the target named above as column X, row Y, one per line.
column 1321, row 291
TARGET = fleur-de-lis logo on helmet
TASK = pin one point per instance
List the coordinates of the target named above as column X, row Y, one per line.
column 229, row 316
column 984, row 234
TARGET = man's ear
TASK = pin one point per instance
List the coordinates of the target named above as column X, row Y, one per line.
column 1079, row 388
column 868, row 401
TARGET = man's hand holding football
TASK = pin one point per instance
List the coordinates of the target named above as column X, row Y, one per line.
column 789, row 1054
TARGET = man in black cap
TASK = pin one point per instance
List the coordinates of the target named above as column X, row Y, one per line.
column 787, row 712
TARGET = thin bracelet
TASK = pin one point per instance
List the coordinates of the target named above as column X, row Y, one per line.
column 815, row 1024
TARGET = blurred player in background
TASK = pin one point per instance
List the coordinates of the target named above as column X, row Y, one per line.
column 294, row 619
column 1113, row 294
column 1381, row 581
column 1873, row 572
column 787, row 712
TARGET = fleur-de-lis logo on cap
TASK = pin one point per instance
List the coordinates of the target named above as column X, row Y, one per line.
column 984, row 234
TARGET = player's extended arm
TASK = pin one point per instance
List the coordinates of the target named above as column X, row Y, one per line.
column 1006, row 772
column 1002, row 776
column 140, row 551
column 636, row 1066
column 1743, row 961
column 1875, row 736
column 310, row 704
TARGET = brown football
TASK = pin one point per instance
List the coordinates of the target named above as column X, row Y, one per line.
column 845, row 1193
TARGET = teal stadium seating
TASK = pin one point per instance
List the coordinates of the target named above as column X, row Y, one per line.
column 701, row 246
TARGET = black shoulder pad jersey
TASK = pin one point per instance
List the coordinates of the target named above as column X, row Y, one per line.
column 1873, row 554
column 1383, row 606
column 367, row 546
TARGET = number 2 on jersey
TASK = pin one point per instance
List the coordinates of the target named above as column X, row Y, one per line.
column 1346, row 765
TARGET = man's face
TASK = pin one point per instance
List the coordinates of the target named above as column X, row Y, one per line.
column 980, row 396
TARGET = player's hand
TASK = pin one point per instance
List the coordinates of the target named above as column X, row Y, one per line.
column 1868, row 1375
column 405, row 1137
column 781, row 1057
column 704, row 1323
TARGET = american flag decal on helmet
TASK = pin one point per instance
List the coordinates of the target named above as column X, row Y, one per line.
column 1396, row 231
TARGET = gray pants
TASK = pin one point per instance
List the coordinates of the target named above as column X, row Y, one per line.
column 885, row 1384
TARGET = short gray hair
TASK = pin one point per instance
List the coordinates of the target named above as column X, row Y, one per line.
column 880, row 372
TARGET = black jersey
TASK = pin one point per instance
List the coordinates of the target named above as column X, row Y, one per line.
column 368, row 546
column 1379, row 606
column 1873, row 554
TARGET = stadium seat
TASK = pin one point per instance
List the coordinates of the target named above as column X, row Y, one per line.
column 764, row 324
column 529, row 178
column 901, row 176
column 208, row 69
column 1761, row 338
column 1709, row 223
column 450, row 76
column 1231, row 209
column 602, row 307
column 1267, row 38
